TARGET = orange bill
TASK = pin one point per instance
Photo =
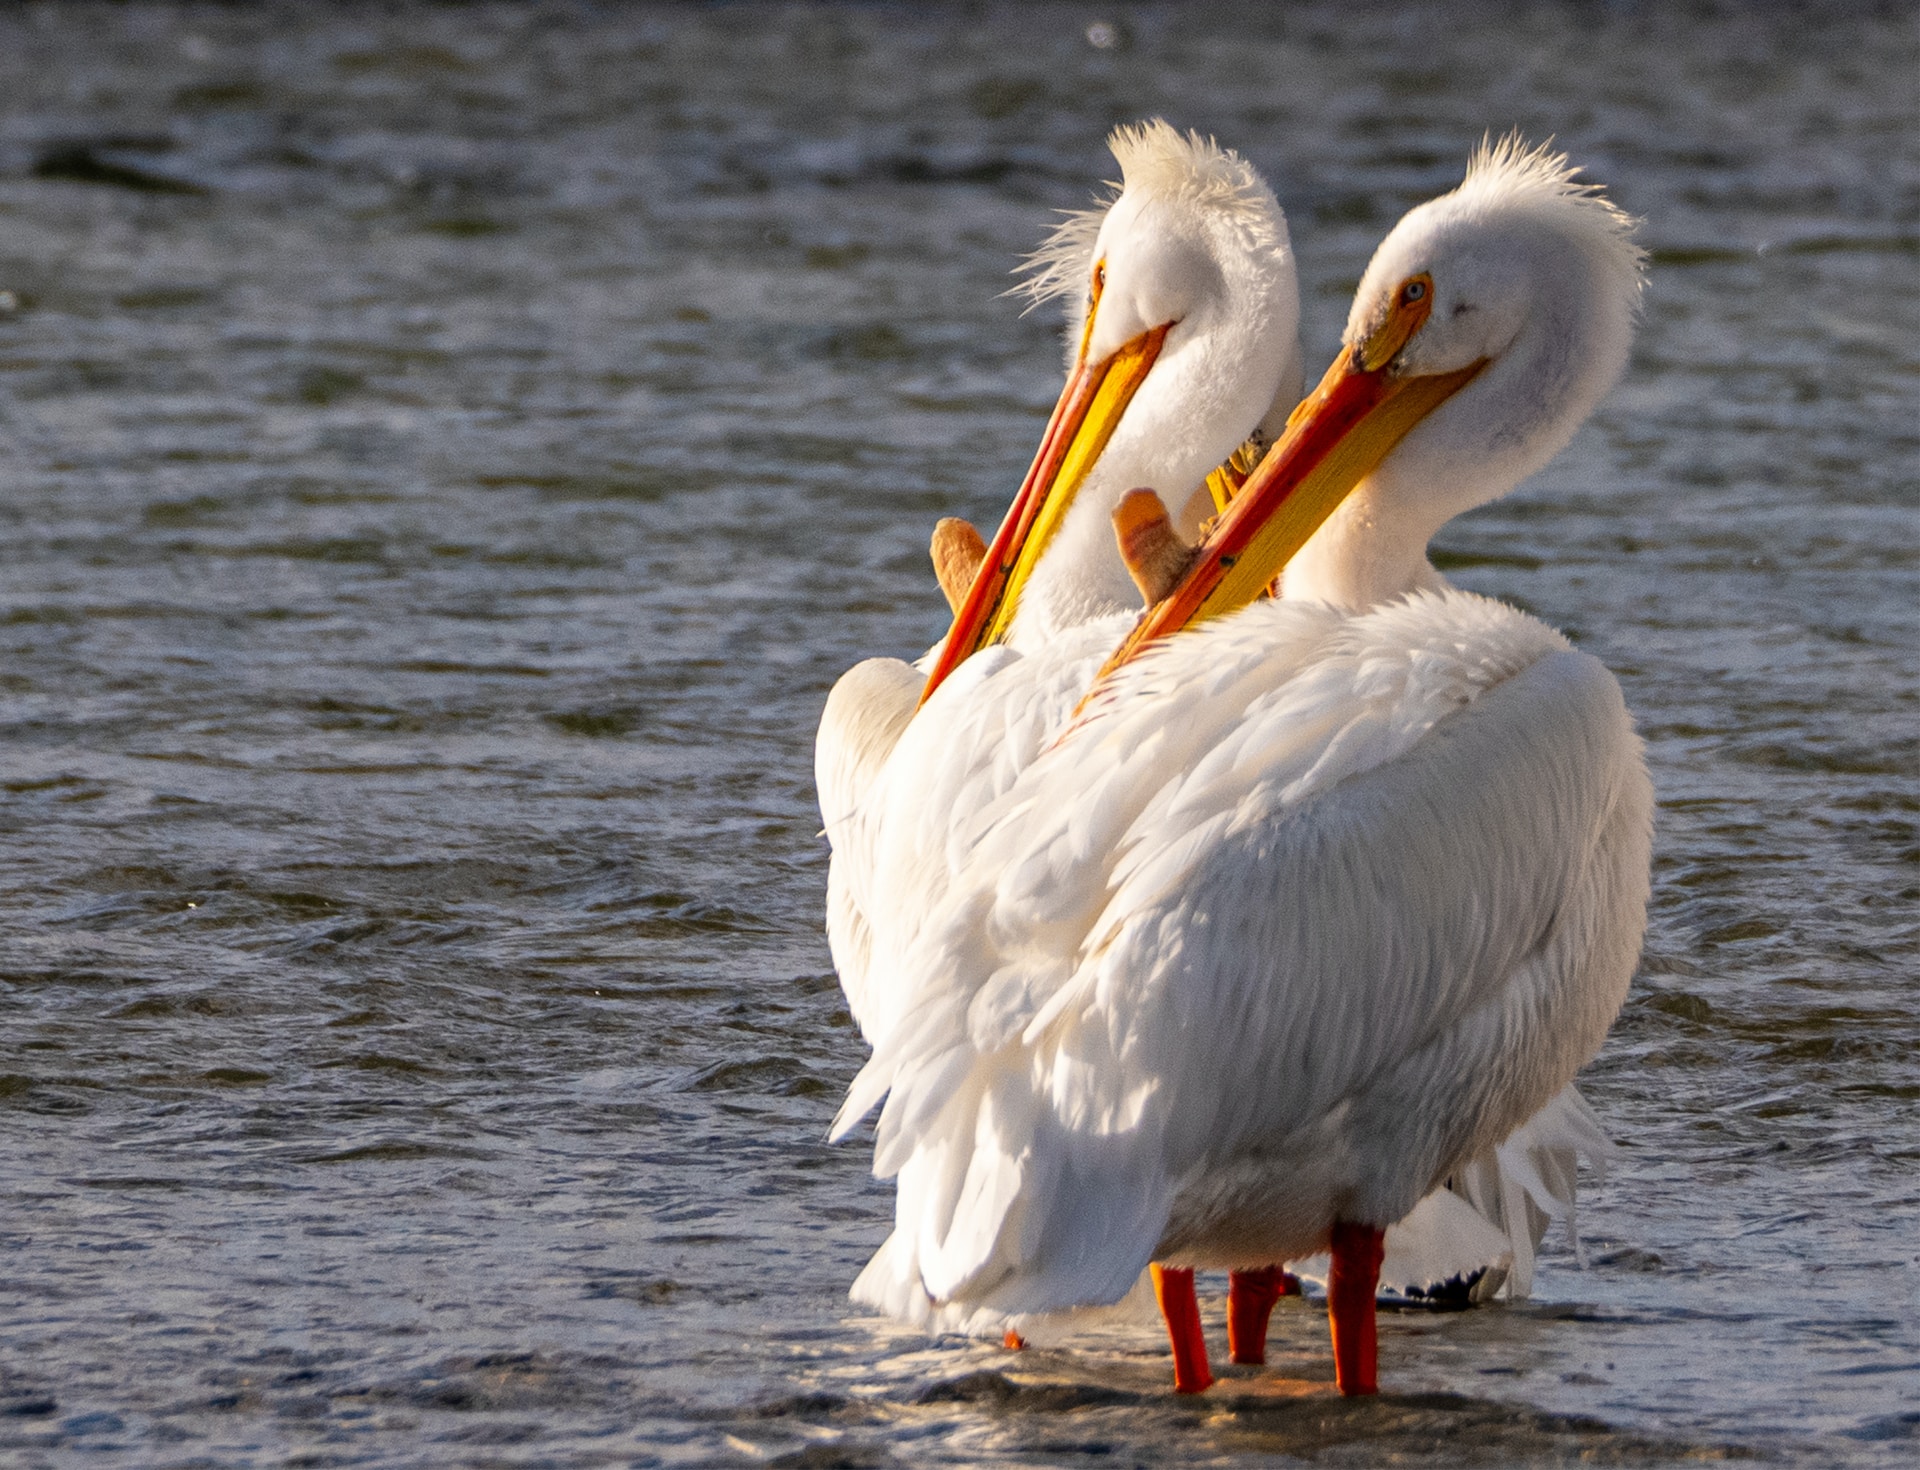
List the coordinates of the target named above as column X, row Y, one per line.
column 1090, row 409
column 1334, row 440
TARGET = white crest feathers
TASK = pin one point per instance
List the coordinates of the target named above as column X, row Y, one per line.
column 1154, row 158
column 1511, row 169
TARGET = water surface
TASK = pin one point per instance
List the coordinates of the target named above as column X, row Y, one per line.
column 448, row 453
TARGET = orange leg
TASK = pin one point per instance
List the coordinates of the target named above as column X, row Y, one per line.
column 1357, row 1251
column 1181, row 1308
column 1013, row 1342
column 1250, row 1299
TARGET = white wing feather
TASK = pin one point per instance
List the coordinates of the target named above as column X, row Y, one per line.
column 868, row 709
column 1338, row 895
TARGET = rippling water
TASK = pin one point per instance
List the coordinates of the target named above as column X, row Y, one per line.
column 447, row 455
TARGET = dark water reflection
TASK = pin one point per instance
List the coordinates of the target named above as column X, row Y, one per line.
column 449, row 452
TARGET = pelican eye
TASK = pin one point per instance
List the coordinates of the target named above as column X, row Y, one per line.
column 1413, row 291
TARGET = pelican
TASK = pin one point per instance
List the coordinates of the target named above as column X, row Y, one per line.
column 1195, row 243
column 1314, row 900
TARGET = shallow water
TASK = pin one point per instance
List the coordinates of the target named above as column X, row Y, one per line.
column 448, row 454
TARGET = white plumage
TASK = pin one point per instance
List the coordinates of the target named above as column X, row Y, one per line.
column 1320, row 901
column 1445, row 810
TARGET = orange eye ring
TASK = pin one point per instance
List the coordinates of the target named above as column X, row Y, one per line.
column 1412, row 304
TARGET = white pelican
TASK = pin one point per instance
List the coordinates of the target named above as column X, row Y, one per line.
column 1317, row 901
column 1187, row 336
column 1193, row 231
column 1186, row 343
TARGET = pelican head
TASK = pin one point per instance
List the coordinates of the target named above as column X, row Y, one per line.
column 1530, row 272
column 1184, row 333
column 1489, row 324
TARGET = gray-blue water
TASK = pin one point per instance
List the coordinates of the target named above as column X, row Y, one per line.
column 447, row 453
